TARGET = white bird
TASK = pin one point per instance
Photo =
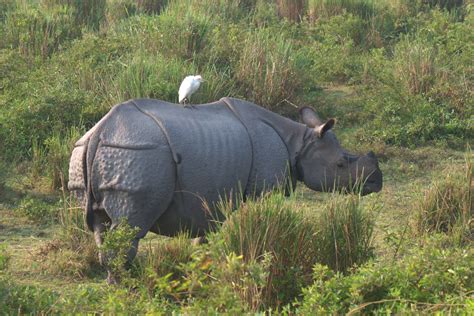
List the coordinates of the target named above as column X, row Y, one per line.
column 189, row 85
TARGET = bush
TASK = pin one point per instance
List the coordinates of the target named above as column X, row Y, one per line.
column 38, row 210
column 35, row 117
column 332, row 51
column 163, row 261
column 419, row 96
column 117, row 243
column 426, row 280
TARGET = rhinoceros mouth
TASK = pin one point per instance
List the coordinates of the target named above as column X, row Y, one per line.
column 373, row 183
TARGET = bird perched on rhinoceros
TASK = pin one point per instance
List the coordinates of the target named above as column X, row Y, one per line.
column 153, row 163
column 187, row 88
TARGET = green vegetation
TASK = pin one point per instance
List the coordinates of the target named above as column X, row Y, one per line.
column 428, row 279
column 398, row 76
column 447, row 205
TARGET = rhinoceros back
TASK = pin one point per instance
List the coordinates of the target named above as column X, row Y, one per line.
column 213, row 148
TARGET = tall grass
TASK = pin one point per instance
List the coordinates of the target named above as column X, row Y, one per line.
column 416, row 66
column 345, row 233
column 88, row 13
column 318, row 9
column 5, row 257
column 447, row 205
column 268, row 229
column 39, row 32
column 224, row 10
column 59, row 148
column 155, row 76
column 293, row 10
column 72, row 252
column 266, row 69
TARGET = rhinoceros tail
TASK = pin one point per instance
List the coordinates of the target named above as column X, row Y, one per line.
column 92, row 146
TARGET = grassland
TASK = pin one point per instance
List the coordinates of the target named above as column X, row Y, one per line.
column 396, row 74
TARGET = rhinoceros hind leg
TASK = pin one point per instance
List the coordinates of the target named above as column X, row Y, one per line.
column 100, row 223
column 139, row 209
column 112, row 278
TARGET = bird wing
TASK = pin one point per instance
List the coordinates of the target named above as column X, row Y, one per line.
column 194, row 86
column 185, row 88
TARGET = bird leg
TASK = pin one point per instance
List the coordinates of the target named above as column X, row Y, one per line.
column 187, row 104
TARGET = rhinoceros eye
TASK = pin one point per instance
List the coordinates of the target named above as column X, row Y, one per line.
column 341, row 163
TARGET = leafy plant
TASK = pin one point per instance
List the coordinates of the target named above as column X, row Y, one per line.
column 425, row 280
column 38, row 210
column 117, row 244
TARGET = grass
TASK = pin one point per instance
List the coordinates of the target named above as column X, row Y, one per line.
column 396, row 74
column 447, row 205
column 63, row 260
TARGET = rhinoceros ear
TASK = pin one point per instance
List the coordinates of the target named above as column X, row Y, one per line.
column 323, row 128
column 309, row 117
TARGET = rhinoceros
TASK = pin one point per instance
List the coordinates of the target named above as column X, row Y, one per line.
column 154, row 163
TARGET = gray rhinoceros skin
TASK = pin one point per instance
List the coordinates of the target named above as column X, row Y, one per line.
column 156, row 163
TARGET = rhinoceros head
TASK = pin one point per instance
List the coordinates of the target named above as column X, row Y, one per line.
column 324, row 165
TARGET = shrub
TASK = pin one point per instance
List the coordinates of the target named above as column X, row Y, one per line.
column 426, row 280
column 53, row 108
column 117, row 243
column 232, row 284
column 332, row 51
column 419, row 96
column 163, row 262
column 38, row 210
